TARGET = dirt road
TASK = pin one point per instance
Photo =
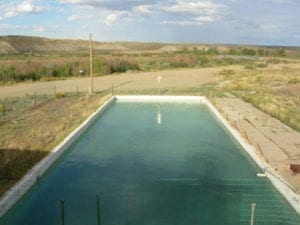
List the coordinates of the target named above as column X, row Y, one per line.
column 180, row 78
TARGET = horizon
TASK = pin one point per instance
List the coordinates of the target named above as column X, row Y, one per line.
column 216, row 22
column 151, row 42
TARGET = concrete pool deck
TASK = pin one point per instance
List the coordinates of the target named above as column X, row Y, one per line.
column 278, row 144
column 275, row 143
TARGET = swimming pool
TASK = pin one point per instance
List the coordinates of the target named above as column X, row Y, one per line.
column 153, row 163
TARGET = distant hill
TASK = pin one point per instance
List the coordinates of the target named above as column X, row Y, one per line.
column 28, row 44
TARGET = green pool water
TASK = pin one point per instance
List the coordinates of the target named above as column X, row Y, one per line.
column 153, row 163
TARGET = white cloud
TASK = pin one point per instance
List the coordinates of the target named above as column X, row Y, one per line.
column 204, row 19
column 25, row 7
column 280, row 1
column 39, row 29
column 194, row 8
column 144, row 9
column 180, row 23
column 111, row 18
column 114, row 17
column 193, row 22
column 74, row 17
column 10, row 27
column 190, row 13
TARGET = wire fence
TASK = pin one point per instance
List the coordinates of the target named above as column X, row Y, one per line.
column 163, row 202
column 13, row 105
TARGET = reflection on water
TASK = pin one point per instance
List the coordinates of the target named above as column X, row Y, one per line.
column 158, row 115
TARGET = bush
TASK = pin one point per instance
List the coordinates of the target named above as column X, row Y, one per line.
column 118, row 65
column 227, row 73
column 181, row 61
column 262, row 65
column 7, row 74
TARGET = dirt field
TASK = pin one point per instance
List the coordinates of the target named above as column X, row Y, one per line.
column 180, row 78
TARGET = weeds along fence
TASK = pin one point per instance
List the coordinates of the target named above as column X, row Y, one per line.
column 15, row 104
column 165, row 202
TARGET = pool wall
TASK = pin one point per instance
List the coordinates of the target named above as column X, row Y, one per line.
column 18, row 190
column 22, row 186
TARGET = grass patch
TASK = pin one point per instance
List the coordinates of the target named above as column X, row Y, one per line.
column 14, row 164
column 29, row 135
column 268, row 90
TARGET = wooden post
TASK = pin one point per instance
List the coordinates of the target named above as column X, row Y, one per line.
column 3, row 109
column 34, row 97
column 91, row 64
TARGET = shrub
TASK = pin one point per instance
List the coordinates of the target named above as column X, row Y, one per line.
column 60, row 95
column 250, row 66
column 227, row 73
column 118, row 65
column 262, row 65
column 181, row 61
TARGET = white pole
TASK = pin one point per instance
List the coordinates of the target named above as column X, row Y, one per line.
column 158, row 82
column 252, row 213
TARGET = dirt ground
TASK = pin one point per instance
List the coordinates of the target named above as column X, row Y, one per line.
column 180, row 78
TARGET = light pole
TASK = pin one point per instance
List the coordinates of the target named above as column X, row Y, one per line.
column 158, row 83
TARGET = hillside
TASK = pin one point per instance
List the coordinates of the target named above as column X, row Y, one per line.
column 26, row 44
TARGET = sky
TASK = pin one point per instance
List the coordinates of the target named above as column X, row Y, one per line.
column 257, row 22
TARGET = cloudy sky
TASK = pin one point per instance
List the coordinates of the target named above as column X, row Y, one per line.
column 263, row 22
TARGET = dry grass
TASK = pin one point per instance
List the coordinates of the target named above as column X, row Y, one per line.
column 27, row 138
column 273, row 90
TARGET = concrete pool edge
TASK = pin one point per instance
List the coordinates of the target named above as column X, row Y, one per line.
column 23, row 185
column 284, row 188
column 18, row 190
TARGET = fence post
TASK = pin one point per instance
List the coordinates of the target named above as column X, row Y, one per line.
column 62, row 202
column 34, row 97
column 3, row 109
column 98, row 210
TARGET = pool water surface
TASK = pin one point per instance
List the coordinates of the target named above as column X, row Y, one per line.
column 153, row 163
